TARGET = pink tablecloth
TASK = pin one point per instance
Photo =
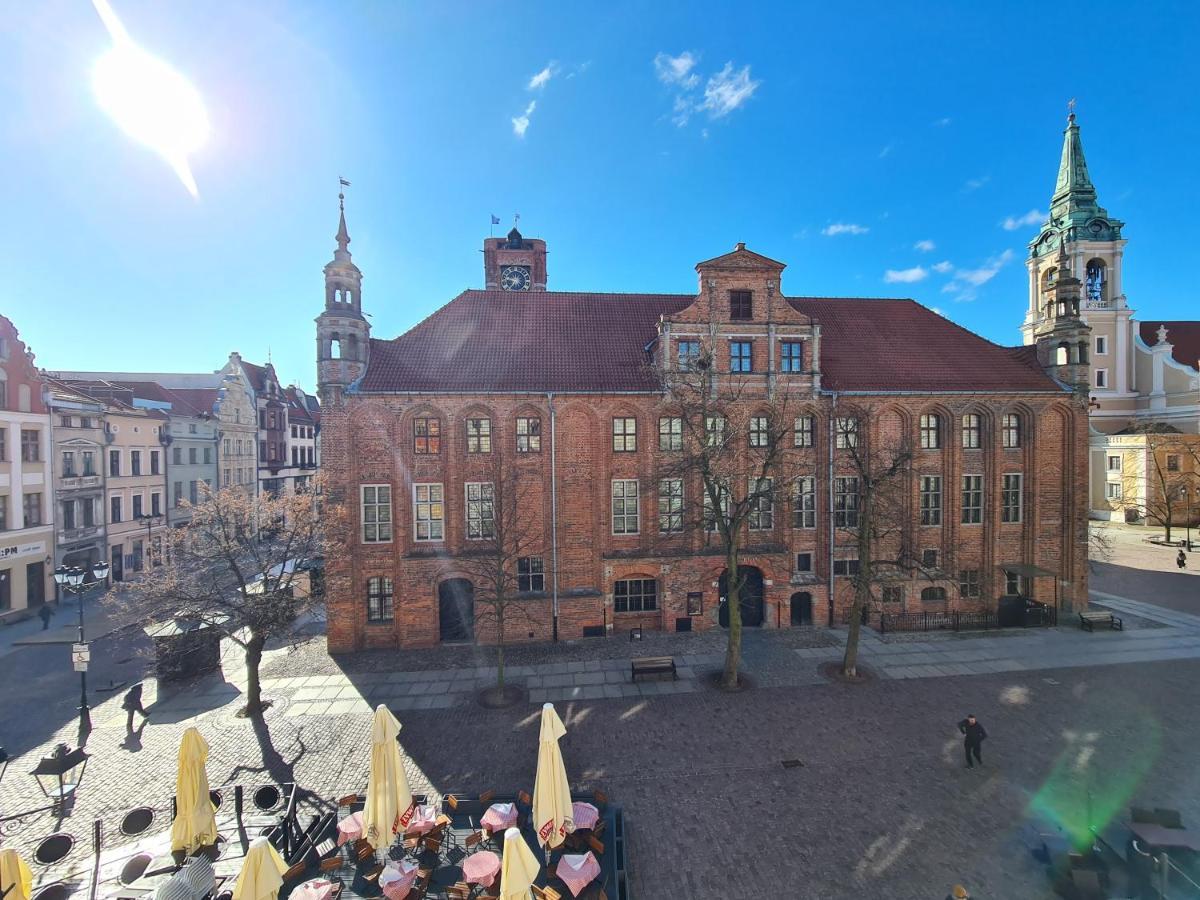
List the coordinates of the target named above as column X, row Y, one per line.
column 481, row 868
column 499, row 817
column 350, row 828
column 397, row 878
column 317, row 889
column 577, row 871
column 585, row 815
column 423, row 819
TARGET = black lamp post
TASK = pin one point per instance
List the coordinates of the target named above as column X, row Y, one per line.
column 1187, row 495
column 151, row 520
column 3, row 763
column 59, row 774
column 70, row 580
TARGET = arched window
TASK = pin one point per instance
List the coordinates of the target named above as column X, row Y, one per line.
column 1062, row 355
column 335, row 346
column 1049, row 277
column 1083, row 352
column 1097, row 279
column 933, row 595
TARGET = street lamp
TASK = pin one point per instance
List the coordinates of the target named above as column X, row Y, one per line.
column 70, row 580
column 59, row 774
column 3, row 762
column 151, row 520
column 1185, row 494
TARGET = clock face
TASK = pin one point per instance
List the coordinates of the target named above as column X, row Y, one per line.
column 514, row 278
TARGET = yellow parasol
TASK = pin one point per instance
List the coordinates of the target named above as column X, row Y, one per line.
column 518, row 867
column 389, row 797
column 552, row 814
column 195, row 822
column 15, row 876
column 262, row 872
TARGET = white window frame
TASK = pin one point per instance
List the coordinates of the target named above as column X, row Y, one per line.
column 930, row 428
column 1113, row 491
column 670, row 505
column 804, row 502
column 972, row 431
column 476, row 520
column 427, row 506
column 973, row 489
column 1109, row 467
column 1101, row 345
column 1008, row 510
column 1101, row 378
column 624, row 497
column 804, row 431
column 931, row 499
column 845, row 432
column 375, row 504
column 761, row 516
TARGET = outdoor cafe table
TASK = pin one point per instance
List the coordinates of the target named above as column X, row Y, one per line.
column 584, row 815
column 350, row 828
column 397, row 878
column 1166, row 838
column 577, row 871
column 481, row 868
column 499, row 817
column 423, row 819
column 316, row 889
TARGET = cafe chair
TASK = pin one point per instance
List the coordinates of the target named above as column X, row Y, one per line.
column 460, row 891
column 1087, row 884
column 1168, row 818
column 452, row 801
column 349, row 800
column 295, row 873
column 595, row 844
column 487, row 797
column 330, row 865
column 600, row 799
column 524, row 799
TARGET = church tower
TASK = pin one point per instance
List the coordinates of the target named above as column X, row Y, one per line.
column 1080, row 240
column 1062, row 337
column 343, row 335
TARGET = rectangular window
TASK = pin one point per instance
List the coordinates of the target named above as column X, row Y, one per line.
column 114, row 462
column 178, row 501
column 1172, row 462
column 427, row 436
column 624, row 435
column 803, row 431
column 156, row 504
column 893, row 593
column 1102, row 378
column 931, row 500
column 1113, row 491
column 804, row 502
column 635, row 595
column 670, row 505
column 376, row 512
column 68, row 509
column 762, row 504
column 740, row 356
column 845, row 567
column 479, row 435
column 177, row 456
column 711, row 520
column 846, row 435
column 531, row 574
column 193, row 492
column 207, row 455
column 803, row 562
column 741, row 305
column 3, row 434
column 972, row 499
column 1010, row 431
column 931, row 432
column 689, row 355
column 1114, row 463
column 1101, row 345
column 192, row 456
column 135, row 462
column 429, row 512
column 31, row 450
column 791, row 356
column 137, row 506
column 64, row 421
column 760, row 434
column 68, row 468
column 154, row 461
column 1012, row 584
column 3, row 512
column 624, row 506
column 929, row 559
column 670, row 433
column 89, row 462
column 1010, row 499
column 114, row 510
column 481, row 511
column 845, row 501
column 714, row 430
column 529, row 435
column 971, row 431
column 89, row 512
column 380, row 603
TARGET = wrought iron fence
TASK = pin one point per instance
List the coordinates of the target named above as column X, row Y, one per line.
column 937, row 621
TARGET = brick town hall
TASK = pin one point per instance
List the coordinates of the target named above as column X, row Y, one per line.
column 558, row 387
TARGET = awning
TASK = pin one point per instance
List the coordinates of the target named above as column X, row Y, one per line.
column 1026, row 570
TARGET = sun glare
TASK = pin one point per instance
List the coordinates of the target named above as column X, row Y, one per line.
column 149, row 100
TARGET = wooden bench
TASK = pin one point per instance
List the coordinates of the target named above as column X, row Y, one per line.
column 653, row 665
column 1090, row 619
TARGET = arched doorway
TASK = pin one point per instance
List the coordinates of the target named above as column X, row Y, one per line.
column 802, row 608
column 456, row 611
column 750, row 596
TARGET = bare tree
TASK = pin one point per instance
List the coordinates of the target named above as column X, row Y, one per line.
column 1171, row 478
column 505, row 556
column 239, row 566
column 730, row 441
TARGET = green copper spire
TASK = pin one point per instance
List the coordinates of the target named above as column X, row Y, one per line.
column 1075, row 211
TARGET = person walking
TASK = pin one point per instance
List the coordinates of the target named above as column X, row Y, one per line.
column 44, row 614
column 133, row 703
column 1181, row 560
column 973, row 737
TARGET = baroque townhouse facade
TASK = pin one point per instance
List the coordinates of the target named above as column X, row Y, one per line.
column 275, row 472
column 558, row 386
column 79, row 465
column 303, row 424
column 1145, row 375
column 26, row 492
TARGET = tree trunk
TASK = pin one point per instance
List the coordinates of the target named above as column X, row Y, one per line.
column 733, row 604
column 254, row 650
column 862, row 587
column 500, row 650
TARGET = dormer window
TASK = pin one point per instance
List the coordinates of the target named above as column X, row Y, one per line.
column 740, row 306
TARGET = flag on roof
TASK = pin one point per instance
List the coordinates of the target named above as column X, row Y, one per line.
column 495, row 220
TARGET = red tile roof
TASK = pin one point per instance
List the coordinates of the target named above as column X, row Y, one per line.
column 485, row 341
column 1183, row 336
column 199, row 399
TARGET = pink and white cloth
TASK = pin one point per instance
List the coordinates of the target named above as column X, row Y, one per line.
column 577, row 871
column 423, row 819
column 585, row 815
column 350, row 828
column 481, row 868
column 499, row 817
column 397, row 878
column 316, row 889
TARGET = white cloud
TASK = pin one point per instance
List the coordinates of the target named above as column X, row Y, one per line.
column 942, row 123
column 580, row 69
column 925, row 246
column 520, row 124
column 974, row 184
column 728, row 90
column 538, row 81
column 887, row 149
column 905, row 276
column 1033, row 217
column 682, row 111
column 942, row 267
column 965, row 281
column 843, row 228
column 677, row 70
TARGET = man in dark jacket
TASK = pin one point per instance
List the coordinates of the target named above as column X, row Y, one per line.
column 973, row 735
column 133, row 703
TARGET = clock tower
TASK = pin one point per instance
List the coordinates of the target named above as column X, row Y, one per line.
column 514, row 263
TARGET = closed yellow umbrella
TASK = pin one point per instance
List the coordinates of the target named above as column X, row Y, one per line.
column 388, row 793
column 15, row 876
column 552, row 814
column 262, row 872
column 518, row 867
column 195, row 822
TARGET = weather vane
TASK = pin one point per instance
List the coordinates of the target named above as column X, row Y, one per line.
column 1071, row 107
column 342, row 183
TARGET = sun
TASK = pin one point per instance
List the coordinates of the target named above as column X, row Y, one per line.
column 149, row 100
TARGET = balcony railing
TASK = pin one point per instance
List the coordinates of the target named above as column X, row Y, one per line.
column 76, row 482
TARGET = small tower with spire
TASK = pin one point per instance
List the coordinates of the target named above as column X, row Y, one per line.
column 1063, row 339
column 343, row 335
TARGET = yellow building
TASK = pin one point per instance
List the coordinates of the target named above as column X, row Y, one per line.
column 1151, row 479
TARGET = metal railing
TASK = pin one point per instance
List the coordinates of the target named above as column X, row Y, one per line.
column 937, row 621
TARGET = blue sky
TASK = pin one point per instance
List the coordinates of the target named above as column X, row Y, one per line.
column 635, row 138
